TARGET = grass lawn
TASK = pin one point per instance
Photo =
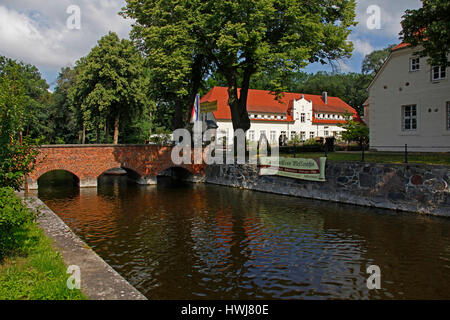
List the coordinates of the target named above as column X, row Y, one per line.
column 380, row 157
column 36, row 271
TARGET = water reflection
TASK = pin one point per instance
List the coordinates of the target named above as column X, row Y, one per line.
column 204, row 241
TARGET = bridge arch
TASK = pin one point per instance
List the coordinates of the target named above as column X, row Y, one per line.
column 177, row 172
column 58, row 177
column 132, row 174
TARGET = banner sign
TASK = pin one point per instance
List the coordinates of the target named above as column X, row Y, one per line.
column 208, row 106
column 312, row 169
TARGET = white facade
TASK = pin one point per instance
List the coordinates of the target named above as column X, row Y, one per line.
column 409, row 103
column 275, row 124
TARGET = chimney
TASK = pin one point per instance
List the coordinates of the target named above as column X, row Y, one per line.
column 325, row 97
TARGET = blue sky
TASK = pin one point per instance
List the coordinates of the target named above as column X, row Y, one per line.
column 36, row 31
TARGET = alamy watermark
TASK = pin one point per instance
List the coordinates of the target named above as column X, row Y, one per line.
column 374, row 280
column 74, row 280
column 74, row 20
column 219, row 153
column 374, row 20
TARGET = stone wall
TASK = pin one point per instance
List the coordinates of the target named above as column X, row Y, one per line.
column 406, row 187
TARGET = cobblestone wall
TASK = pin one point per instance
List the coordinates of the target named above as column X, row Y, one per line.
column 405, row 187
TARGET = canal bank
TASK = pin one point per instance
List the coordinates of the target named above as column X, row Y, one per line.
column 415, row 188
column 99, row 281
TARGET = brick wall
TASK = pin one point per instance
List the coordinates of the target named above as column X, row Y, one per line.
column 88, row 162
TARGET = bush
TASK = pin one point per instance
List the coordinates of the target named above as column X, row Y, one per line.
column 316, row 147
column 13, row 215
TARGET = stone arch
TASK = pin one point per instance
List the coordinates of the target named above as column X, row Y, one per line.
column 176, row 167
column 176, row 172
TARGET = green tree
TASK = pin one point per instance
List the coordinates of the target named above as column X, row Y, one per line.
column 35, row 116
column 373, row 61
column 238, row 39
column 350, row 87
column 429, row 28
column 355, row 131
column 111, row 87
column 17, row 153
column 63, row 123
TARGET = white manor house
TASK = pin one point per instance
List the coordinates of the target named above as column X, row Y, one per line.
column 304, row 116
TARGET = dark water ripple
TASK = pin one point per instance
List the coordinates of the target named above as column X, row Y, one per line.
column 212, row 242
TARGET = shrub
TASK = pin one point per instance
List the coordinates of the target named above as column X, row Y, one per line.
column 13, row 215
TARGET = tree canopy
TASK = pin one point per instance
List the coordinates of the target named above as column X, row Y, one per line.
column 373, row 61
column 111, row 85
column 237, row 39
column 429, row 27
column 34, row 116
column 17, row 154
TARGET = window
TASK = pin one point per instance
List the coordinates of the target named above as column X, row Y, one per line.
column 302, row 117
column 437, row 73
column 293, row 134
column 302, row 135
column 273, row 135
column 325, row 133
column 262, row 134
column 414, row 64
column 311, row 134
column 448, row 115
column 409, row 116
column 251, row 135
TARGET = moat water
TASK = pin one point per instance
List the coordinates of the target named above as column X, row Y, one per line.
column 202, row 241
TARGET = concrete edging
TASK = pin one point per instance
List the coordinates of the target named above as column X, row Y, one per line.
column 99, row 281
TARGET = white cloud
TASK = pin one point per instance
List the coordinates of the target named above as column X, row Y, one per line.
column 362, row 47
column 391, row 13
column 37, row 33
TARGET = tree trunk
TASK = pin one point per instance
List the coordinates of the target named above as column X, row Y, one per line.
column 98, row 134
column 238, row 105
column 106, row 132
column 83, row 135
column 116, row 129
column 196, row 79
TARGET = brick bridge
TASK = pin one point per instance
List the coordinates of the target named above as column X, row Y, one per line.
column 88, row 162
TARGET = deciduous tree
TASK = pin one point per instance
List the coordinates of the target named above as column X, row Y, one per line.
column 239, row 39
column 111, row 85
column 429, row 28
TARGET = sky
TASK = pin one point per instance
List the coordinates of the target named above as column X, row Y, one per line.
column 51, row 34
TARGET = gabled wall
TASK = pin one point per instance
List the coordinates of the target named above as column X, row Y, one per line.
column 396, row 86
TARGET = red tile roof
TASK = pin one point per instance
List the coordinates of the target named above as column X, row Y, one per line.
column 263, row 101
column 400, row 46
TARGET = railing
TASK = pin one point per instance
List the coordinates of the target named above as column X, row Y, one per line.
column 406, row 150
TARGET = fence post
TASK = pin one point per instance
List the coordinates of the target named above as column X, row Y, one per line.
column 406, row 153
column 294, row 150
column 326, row 151
column 362, row 154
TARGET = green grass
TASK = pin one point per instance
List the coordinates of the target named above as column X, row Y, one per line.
column 36, row 270
column 381, row 157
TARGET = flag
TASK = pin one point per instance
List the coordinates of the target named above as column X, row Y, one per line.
column 196, row 109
